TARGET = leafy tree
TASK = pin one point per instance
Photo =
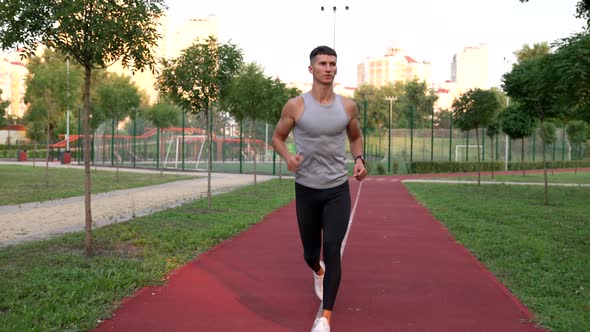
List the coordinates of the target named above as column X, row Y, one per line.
column 117, row 97
column 198, row 78
column 420, row 97
column 3, row 106
column 46, row 96
column 94, row 33
column 416, row 105
column 583, row 11
column 517, row 124
column 163, row 115
column 528, row 52
column 443, row 119
column 281, row 94
column 250, row 96
column 572, row 61
column 532, row 83
column 577, row 132
column 47, row 84
column 378, row 105
column 548, row 135
column 475, row 109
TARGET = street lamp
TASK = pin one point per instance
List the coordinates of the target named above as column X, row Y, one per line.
column 334, row 27
column 391, row 99
column 507, row 140
column 68, row 105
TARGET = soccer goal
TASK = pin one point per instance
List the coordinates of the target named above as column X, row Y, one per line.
column 174, row 144
column 464, row 147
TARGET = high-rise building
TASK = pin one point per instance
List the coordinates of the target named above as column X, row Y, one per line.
column 13, row 72
column 175, row 38
column 395, row 66
column 186, row 33
column 469, row 68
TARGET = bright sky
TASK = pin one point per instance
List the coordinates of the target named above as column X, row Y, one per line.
column 280, row 34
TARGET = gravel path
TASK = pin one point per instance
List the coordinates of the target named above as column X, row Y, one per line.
column 41, row 220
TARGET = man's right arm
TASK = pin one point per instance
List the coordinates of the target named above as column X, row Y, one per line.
column 282, row 131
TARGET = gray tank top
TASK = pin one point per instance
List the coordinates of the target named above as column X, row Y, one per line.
column 320, row 137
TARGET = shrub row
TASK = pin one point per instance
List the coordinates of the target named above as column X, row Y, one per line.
column 422, row 167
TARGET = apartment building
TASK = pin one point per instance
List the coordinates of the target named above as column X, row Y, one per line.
column 469, row 68
column 394, row 66
column 176, row 36
column 13, row 73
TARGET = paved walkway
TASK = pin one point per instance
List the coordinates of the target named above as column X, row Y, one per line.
column 41, row 220
column 402, row 271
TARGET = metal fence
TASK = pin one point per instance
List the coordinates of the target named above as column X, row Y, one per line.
column 236, row 147
column 240, row 147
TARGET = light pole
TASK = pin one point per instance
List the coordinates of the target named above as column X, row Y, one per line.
column 391, row 99
column 507, row 142
column 334, row 24
column 68, row 105
column 507, row 145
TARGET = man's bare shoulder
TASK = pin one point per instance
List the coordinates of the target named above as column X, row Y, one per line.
column 293, row 107
column 350, row 106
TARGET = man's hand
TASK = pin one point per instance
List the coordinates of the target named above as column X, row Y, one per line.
column 359, row 172
column 294, row 161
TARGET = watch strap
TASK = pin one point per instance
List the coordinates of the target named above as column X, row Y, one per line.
column 360, row 156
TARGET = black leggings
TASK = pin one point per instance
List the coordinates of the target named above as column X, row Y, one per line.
column 327, row 209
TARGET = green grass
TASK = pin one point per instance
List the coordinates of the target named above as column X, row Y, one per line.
column 51, row 286
column 552, row 177
column 541, row 253
column 22, row 184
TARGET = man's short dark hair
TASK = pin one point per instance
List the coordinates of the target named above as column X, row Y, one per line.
column 321, row 50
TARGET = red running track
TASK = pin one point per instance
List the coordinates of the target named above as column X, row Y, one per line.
column 402, row 271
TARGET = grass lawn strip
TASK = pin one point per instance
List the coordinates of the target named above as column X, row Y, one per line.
column 557, row 177
column 24, row 184
column 50, row 285
column 539, row 252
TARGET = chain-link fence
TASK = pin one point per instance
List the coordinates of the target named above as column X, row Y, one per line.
column 245, row 146
column 436, row 140
column 424, row 144
column 237, row 147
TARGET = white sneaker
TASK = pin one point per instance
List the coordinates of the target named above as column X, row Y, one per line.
column 318, row 282
column 320, row 325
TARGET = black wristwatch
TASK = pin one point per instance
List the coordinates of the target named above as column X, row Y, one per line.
column 360, row 156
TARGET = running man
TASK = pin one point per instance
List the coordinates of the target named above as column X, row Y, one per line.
column 321, row 121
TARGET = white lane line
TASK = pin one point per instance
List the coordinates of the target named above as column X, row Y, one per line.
column 356, row 201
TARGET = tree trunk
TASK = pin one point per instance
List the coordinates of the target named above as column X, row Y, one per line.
column 210, row 159
column 47, row 153
column 87, row 188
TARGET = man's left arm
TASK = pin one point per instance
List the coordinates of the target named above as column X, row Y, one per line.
column 355, row 139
